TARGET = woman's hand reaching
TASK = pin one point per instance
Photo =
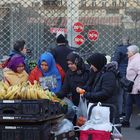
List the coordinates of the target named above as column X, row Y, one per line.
column 80, row 90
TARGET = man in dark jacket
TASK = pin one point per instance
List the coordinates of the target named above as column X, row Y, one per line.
column 120, row 56
column 20, row 49
column 61, row 51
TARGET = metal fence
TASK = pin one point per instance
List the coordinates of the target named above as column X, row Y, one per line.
column 38, row 21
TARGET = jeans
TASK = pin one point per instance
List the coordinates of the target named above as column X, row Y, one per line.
column 131, row 99
column 122, row 101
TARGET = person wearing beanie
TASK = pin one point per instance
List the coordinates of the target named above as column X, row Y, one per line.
column 104, row 86
column 61, row 39
column 61, row 51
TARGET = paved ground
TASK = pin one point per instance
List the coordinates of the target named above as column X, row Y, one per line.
column 131, row 133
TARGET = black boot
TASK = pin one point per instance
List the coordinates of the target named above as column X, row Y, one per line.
column 125, row 123
column 138, row 128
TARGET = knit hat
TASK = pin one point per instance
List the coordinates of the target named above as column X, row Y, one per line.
column 19, row 45
column 98, row 60
column 61, row 39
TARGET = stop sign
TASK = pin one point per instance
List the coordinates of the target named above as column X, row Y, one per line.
column 93, row 35
column 78, row 27
column 79, row 40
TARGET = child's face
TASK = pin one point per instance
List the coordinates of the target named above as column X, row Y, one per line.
column 44, row 66
column 20, row 68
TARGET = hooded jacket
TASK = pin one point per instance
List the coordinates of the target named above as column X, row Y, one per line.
column 14, row 78
column 37, row 72
column 104, row 87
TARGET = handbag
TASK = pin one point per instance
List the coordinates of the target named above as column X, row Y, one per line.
column 94, row 135
column 127, row 84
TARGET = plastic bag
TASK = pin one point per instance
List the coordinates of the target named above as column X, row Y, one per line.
column 82, row 108
column 64, row 126
column 81, row 111
column 116, row 135
column 71, row 109
column 98, row 114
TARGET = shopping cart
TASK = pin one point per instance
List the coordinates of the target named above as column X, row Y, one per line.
column 103, row 135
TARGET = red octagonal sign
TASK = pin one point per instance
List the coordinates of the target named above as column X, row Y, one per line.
column 79, row 40
column 78, row 27
column 93, row 35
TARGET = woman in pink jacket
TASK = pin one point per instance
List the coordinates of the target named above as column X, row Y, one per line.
column 133, row 72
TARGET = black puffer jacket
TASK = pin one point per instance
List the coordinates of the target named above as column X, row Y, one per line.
column 104, row 88
column 72, row 81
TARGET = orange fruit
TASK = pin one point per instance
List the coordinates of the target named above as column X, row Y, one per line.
column 81, row 91
column 81, row 121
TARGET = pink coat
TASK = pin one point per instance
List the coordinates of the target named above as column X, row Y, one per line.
column 132, row 70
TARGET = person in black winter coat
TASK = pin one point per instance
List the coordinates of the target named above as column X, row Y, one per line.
column 104, row 86
column 76, row 76
column 61, row 51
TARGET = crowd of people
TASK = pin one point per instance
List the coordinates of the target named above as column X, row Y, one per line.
column 64, row 72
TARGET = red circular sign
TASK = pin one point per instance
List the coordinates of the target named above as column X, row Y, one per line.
column 93, row 35
column 78, row 27
column 79, row 40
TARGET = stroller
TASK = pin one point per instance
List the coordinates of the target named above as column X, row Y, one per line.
column 98, row 126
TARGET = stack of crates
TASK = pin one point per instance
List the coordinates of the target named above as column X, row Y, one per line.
column 27, row 119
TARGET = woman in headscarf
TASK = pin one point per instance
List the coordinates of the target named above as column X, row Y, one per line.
column 47, row 73
column 76, row 76
column 15, row 72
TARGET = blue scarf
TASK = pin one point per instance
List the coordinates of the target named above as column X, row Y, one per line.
column 52, row 69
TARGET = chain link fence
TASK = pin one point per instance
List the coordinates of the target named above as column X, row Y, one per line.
column 38, row 21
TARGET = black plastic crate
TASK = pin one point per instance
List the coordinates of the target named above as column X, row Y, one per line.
column 29, row 110
column 25, row 132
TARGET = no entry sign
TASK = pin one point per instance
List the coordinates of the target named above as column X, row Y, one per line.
column 78, row 27
column 93, row 35
column 79, row 40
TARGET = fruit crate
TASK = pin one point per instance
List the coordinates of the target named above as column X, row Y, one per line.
column 29, row 110
column 38, row 131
